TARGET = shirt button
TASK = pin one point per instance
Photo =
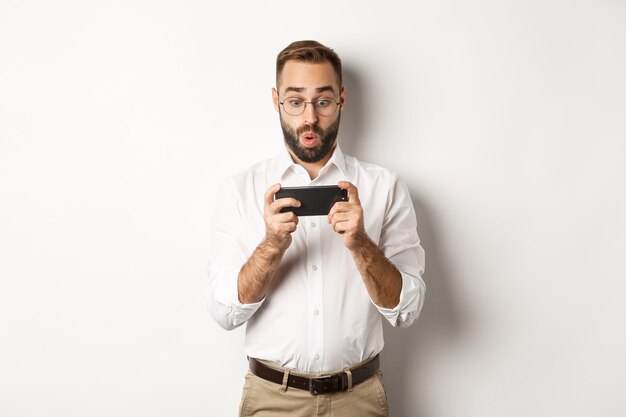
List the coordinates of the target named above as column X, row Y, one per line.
column 317, row 357
column 315, row 267
column 316, row 312
column 313, row 225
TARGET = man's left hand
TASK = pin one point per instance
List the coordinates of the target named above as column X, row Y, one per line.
column 346, row 218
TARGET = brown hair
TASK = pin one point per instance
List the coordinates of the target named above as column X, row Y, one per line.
column 310, row 52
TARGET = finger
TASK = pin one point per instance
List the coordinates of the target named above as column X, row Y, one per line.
column 353, row 192
column 340, row 217
column 340, row 227
column 291, row 227
column 283, row 229
column 269, row 194
column 283, row 224
column 338, row 207
column 281, row 203
column 344, row 222
column 288, row 217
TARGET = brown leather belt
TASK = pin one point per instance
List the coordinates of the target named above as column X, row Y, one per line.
column 322, row 385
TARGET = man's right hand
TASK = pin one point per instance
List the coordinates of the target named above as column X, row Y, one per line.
column 279, row 226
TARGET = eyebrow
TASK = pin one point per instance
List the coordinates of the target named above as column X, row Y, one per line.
column 325, row 88
column 318, row 89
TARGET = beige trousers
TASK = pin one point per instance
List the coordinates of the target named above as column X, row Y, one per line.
column 263, row 398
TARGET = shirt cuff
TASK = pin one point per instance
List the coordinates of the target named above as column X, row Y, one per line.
column 411, row 300
column 227, row 294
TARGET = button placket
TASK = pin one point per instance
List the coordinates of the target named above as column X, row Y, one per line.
column 316, row 288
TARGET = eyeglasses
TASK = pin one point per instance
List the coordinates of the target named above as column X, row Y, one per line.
column 324, row 106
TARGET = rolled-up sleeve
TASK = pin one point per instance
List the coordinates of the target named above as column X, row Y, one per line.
column 401, row 245
column 227, row 254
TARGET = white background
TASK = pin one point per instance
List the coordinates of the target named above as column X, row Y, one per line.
column 118, row 119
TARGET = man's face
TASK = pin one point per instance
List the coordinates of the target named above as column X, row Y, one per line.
column 309, row 135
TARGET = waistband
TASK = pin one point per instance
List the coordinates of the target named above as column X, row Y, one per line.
column 340, row 381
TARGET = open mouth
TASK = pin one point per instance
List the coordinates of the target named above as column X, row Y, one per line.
column 309, row 139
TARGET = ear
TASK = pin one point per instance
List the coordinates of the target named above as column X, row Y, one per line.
column 275, row 98
column 342, row 97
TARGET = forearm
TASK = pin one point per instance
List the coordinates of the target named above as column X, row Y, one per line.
column 382, row 279
column 257, row 273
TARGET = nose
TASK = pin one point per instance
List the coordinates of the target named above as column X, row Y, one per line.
column 310, row 115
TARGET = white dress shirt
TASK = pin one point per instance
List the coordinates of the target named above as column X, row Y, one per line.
column 317, row 315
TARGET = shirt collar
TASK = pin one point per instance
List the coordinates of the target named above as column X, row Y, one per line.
column 339, row 160
column 285, row 162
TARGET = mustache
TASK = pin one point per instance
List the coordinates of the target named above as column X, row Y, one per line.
column 309, row 128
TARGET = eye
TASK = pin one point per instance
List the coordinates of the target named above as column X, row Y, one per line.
column 323, row 102
column 295, row 102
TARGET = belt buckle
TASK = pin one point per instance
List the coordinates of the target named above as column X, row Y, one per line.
column 331, row 382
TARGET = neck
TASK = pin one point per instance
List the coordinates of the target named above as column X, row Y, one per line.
column 312, row 168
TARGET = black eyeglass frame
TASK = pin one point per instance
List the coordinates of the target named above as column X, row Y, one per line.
column 337, row 102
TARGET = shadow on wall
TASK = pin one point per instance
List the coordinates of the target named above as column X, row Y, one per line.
column 439, row 324
column 352, row 117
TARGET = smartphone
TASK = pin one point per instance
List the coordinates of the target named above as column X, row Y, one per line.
column 315, row 200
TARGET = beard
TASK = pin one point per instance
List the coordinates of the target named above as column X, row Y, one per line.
column 326, row 139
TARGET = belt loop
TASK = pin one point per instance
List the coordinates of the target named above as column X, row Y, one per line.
column 349, row 373
column 283, row 387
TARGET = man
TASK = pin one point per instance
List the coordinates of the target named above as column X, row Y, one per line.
column 312, row 290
